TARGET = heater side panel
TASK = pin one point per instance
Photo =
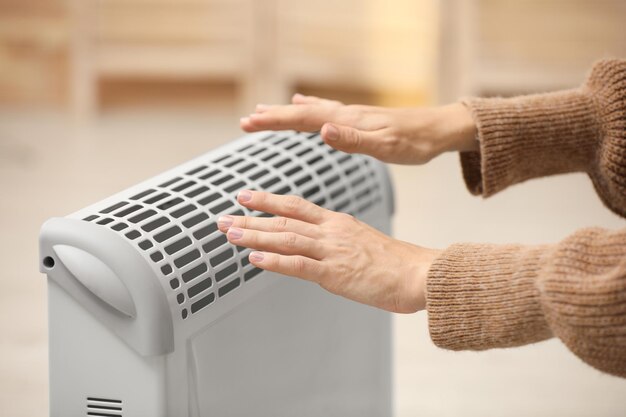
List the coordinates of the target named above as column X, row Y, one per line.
column 295, row 350
column 93, row 371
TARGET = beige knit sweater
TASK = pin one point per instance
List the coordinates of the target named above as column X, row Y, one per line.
column 482, row 296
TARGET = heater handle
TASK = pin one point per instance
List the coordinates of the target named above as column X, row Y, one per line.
column 97, row 277
column 110, row 278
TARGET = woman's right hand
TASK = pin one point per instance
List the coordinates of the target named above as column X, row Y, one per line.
column 410, row 136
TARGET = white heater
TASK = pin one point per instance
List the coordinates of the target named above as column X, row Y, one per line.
column 153, row 313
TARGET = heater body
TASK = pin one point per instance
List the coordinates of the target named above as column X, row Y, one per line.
column 153, row 313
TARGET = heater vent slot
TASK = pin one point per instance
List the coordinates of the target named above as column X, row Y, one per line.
column 104, row 407
column 174, row 220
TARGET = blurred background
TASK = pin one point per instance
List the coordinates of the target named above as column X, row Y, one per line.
column 98, row 95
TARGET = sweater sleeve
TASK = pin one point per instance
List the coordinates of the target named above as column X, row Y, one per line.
column 579, row 130
column 483, row 296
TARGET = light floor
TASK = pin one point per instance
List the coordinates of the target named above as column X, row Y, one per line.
column 48, row 168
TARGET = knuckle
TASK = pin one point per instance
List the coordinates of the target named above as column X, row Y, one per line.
column 386, row 145
column 349, row 114
column 300, row 114
column 279, row 224
column 391, row 140
column 342, row 270
column 354, row 138
column 290, row 240
column 346, row 218
column 293, row 204
column 299, row 265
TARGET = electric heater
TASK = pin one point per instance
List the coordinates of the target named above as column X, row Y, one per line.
column 153, row 313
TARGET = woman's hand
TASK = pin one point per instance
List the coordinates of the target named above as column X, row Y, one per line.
column 396, row 135
column 335, row 250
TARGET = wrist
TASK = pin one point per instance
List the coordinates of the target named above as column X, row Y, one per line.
column 457, row 129
column 416, row 277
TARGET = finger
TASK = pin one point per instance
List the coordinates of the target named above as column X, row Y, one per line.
column 261, row 108
column 287, row 243
column 264, row 224
column 303, row 117
column 290, row 206
column 302, row 99
column 295, row 266
column 351, row 140
column 246, row 125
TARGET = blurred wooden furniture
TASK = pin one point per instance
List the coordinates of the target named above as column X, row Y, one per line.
column 395, row 52
column 507, row 47
column 33, row 52
column 84, row 52
column 265, row 47
column 182, row 40
column 387, row 48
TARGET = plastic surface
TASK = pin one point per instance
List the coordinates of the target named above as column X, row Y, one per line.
column 151, row 332
column 97, row 277
column 171, row 219
column 153, row 312
column 295, row 350
column 89, row 361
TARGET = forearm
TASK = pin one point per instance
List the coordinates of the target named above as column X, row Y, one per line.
column 482, row 296
column 529, row 137
column 579, row 130
column 456, row 130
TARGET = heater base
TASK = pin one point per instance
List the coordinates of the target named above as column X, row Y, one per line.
column 92, row 370
column 284, row 352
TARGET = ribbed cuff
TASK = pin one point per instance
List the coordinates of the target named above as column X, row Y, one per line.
column 485, row 296
column 528, row 137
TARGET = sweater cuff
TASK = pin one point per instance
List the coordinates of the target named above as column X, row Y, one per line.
column 485, row 296
column 528, row 137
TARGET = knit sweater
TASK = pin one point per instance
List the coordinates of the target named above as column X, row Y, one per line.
column 482, row 296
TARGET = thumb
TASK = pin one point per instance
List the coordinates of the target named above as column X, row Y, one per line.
column 349, row 139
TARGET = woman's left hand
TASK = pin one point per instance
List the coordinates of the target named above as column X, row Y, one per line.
column 342, row 254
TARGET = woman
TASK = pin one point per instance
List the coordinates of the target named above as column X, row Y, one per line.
column 478, row 296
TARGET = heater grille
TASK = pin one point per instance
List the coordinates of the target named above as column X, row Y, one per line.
column 104, row 407
column 174, row 221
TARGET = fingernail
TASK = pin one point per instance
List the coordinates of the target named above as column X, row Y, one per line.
column 244, row 120
column 244, row 196
column 235, row 233
column 332, row 133
column 225, row 222
column 298, row 95
column 256, row 257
